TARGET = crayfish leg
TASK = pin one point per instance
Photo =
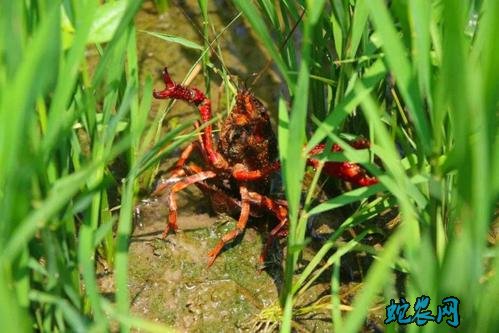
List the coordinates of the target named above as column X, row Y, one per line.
column 172, row 203
column 240, row 226
column 281, row 213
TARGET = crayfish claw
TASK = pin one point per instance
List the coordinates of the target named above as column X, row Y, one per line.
column 169, row 86
column 167, row 79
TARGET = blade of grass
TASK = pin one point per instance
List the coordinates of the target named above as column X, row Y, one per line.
column 123, row 27
column 372, row 77
column 376, row 278
column 175, row 39
column 63, row 190
column 58, row 118
column 255, row 19
column 420, row 14
column 359, row 22
column 293, row 172
column 69, row 312
column 396, row 56
column 346, row 198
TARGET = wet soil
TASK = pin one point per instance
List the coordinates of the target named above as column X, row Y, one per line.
column 173, row 284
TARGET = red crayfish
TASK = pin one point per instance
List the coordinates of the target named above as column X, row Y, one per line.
column 238, row 165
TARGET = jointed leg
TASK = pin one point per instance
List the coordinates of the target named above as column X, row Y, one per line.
column 350, row 172
column 200, row 141
column 241, row 224
column 172, row 215
column 185, row 155
column 280, row 211
column 357, row 144
column 221, row 201
column 177, row 170
column 240, row 172
column 278, row 231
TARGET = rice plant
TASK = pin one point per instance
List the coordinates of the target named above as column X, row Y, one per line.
column 72, row 129
column 419, row 78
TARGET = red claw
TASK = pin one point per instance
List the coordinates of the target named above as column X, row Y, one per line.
column 198, row 98
column 346, row 171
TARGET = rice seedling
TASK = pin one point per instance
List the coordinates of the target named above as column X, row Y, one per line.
column 420, row 75
column 71, row 127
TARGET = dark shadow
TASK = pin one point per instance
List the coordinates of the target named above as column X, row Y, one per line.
column 274, row 261
column 143, row 236
column 110, row 296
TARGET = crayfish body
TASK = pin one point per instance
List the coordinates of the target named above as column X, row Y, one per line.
column 237, row 170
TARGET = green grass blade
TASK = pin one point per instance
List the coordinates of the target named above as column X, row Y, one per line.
column 359, row 23
column 372, row 78
column 420, row 14
column 375, row 280
column 346, row 198
column 107, row 58
column 255, row 19
column 69, row 312
column 63, row 190
column 105, row 22
column 176, row 39
column 396, row 56
column 58, row 119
